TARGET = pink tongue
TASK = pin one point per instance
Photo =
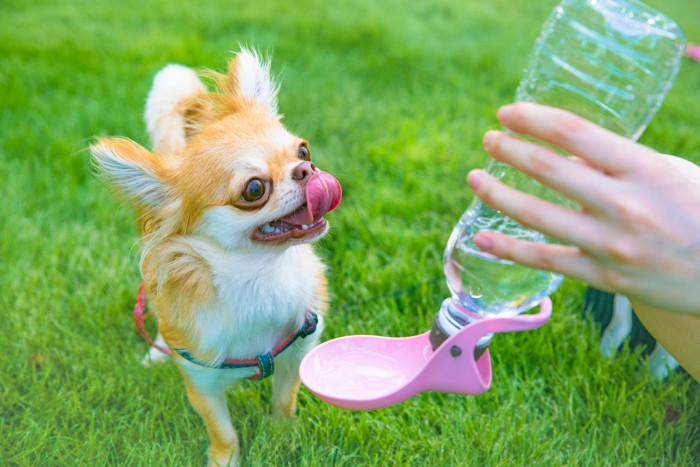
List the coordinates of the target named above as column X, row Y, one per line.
column 323, row 194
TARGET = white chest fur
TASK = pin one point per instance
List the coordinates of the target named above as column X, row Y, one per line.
column 261, row 296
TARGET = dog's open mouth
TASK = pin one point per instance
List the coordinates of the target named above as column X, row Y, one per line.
column 323, row 194
column 279, row 230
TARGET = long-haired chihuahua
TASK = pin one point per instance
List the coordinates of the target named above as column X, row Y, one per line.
column 228, row 205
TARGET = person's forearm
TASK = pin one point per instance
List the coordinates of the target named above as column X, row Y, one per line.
column 679, row 334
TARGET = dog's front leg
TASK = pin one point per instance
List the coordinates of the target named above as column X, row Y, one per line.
column 285, row 387
column 211, row 405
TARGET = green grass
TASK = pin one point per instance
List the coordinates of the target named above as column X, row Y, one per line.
column 394, row 97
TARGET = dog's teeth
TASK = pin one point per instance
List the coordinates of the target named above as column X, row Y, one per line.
column 283, row 227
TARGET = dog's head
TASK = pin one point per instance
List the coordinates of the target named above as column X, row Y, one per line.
column 223, row 165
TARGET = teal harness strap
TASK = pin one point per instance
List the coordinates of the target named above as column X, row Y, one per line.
column 266, row 361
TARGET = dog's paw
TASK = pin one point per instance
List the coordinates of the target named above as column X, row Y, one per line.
column 284, row 410
column 154, row 355
column 229, row 459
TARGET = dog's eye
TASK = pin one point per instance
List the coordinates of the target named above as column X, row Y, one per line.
column 254, row 190
column 304, row 153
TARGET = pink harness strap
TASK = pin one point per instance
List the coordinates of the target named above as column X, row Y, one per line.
column 140, row 317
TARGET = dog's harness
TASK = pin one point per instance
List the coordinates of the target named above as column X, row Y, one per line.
column 265, row 362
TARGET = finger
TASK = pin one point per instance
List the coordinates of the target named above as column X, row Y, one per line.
column 615, row 154
column 566, row 260
column 576, row 228
column 588, row 164
column 570, row 177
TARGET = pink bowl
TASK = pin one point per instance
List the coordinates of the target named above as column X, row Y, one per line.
column 371, row 372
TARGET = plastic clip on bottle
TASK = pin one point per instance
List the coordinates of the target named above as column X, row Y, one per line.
column 610, row 61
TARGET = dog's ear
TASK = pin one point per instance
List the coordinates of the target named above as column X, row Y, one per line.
column 136, row 172
column 249, row 76
column 177, row 105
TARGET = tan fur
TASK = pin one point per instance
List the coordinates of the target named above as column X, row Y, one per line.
column 183, row 279
column 188, row 202
column 224, row 446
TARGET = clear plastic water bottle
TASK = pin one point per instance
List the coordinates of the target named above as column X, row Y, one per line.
column 610, row 61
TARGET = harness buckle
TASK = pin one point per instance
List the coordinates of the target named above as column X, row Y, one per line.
column 309, row 326
column 266, row 365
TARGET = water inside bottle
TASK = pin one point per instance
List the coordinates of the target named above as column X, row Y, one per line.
column 485, row 284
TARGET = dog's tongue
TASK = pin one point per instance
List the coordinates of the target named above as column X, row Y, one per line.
column 323, row 194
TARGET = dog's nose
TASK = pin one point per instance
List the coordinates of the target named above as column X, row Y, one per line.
column 303, row 171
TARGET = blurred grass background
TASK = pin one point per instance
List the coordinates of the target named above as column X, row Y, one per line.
column 394, row 97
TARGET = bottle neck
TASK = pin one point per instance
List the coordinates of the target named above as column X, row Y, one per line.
column 452, row 318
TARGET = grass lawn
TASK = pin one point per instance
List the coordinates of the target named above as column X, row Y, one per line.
column 394, row 97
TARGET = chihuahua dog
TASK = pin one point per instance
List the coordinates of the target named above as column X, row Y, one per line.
column 228, row 204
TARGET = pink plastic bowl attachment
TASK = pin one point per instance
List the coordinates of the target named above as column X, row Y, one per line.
column 372, row 372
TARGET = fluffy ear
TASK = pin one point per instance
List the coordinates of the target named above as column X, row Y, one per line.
column 252, row 76
column 174, row 102
column 132, row 169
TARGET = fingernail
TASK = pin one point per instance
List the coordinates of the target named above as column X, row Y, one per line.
column 504, row 112
column 489, row 138
column 483, row 242
column 474, row 179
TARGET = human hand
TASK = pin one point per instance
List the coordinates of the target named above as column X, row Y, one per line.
column 638, row 229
